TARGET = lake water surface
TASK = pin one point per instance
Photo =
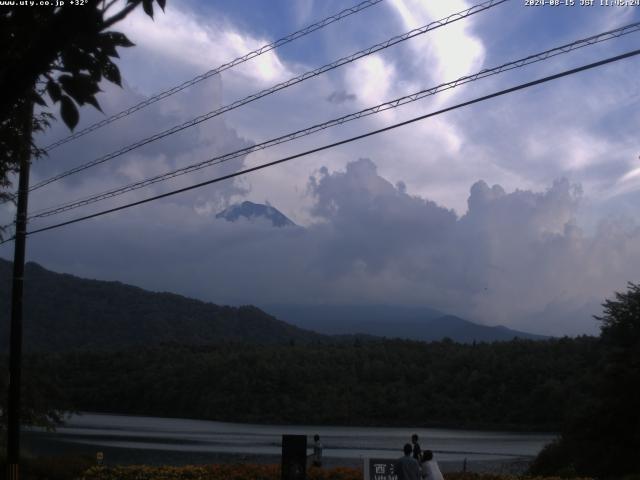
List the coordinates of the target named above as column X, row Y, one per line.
column 95, row 432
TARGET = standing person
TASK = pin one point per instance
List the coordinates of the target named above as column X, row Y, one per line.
column 317, row 451
column 417, row 452
column 408, row 467
column 430, row 469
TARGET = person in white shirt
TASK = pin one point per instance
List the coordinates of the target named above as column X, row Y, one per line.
column 430, row 469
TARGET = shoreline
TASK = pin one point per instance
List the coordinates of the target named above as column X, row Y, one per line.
column 479, row 427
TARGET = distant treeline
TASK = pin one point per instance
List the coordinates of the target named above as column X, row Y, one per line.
column 511, row 385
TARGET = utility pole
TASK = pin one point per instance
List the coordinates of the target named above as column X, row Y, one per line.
column 15, row 348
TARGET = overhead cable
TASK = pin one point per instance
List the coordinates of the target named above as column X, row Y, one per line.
column 225, row 66
column 627, row 29
column 521, row 86
column 292, row 81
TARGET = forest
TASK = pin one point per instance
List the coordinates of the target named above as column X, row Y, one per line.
column 522, row 384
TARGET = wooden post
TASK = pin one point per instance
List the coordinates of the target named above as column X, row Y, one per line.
column 15, row 347
column 294, row 457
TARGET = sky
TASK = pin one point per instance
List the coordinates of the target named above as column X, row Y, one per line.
column 516, row 211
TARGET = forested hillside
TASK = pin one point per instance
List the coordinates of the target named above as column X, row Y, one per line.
column 64, row 312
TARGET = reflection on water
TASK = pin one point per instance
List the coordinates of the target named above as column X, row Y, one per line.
column 181, row 435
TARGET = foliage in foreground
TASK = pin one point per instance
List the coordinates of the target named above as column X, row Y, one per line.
column 60, row 467
column 253, row 472
column 602, row 436
column 496, row 476
column 213, row 472
column 78, row 467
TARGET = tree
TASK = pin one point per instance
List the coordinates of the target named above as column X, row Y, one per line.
column 57, row 55
column 44, row 401
column 603, row 437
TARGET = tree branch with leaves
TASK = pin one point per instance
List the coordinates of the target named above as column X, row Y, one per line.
column 55, row 56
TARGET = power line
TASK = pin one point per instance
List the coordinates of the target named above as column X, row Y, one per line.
column 225, row 66
column 618, row 32
column 342, row 142
column 309, row 74
column 292, row 81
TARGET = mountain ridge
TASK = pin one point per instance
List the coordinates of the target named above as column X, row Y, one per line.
column 62, row 311
column 412, row 323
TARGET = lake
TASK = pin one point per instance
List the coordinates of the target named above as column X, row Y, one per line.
column 174, row 440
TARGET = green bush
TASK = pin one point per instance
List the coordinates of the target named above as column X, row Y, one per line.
column 553, row 460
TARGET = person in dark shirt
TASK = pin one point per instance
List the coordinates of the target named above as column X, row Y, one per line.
column 408, row 467
column 417, row 452
column 317, row 451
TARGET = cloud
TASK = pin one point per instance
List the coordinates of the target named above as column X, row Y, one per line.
column 372, row 77
column 522, row 248
column 445, row 53
column 190, row 146
column 341, row 96
column 180, row 37
column 516, row 258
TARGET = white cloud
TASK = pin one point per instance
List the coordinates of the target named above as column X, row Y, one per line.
column 372, row 78
column 179, row 37
column 446, row 53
